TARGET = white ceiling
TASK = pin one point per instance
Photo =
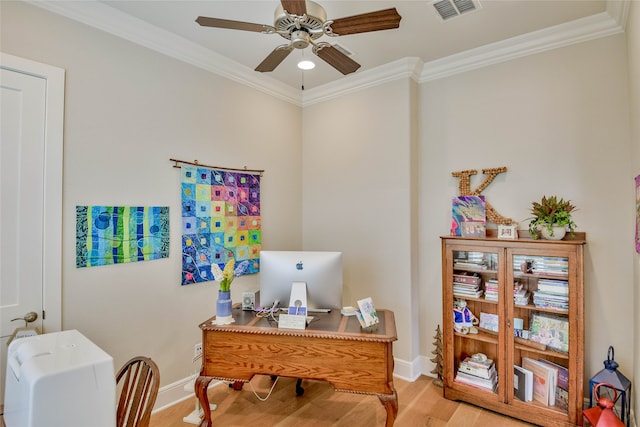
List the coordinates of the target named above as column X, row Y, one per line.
column 170, row 25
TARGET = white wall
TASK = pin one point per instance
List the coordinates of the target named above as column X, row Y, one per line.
column 357, row 196
column 128, row 110
column 559, row 121
column 633, row 55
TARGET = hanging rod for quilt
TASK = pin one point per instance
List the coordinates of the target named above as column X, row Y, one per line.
column 195, row 163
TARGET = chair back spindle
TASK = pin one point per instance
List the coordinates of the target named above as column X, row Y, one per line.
column 140, row 378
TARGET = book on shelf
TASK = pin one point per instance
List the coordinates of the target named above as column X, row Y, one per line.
column 491, row 290
column 466, row 293
column 478, row 372
column 472, row 279
column 479, row 362
column 522, row 383
column 465, row 289
column 555, row 266
column 544, row 381
column 522, row 297
column 490, row 384
column 551, row 286
column 469, row 265
column 562, row 384
column 552, row 301
column 467, row 286
column 483, row 369
column 562, row 399
column 563, row 373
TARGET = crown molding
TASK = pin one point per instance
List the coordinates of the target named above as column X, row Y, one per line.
column 110, row 20
column 402, row 68
column 578, row 31
column 619, row 10
column 113, row 21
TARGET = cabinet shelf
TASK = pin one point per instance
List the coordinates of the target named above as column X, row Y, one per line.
column 481, row 300
column 557, row 283
column 551, row 276
column 532, row 307
column 480, row 336
column 540, row 353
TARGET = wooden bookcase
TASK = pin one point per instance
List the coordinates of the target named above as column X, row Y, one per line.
column 509, row 265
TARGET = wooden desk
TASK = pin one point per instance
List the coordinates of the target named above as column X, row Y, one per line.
column 332, row 348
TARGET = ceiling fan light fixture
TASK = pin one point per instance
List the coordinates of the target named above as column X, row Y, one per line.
column 305, row 65
column 302, row 22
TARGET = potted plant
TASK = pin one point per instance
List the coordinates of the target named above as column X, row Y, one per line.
column 552, row 216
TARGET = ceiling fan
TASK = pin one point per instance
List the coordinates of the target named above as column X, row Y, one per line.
column 302, row 22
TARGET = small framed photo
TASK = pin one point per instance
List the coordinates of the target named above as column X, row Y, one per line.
column 507, row 231
column 551, row 330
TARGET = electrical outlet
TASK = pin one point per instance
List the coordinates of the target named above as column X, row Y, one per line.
column 197, row 349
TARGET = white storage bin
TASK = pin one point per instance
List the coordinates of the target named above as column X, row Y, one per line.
column 61, row 379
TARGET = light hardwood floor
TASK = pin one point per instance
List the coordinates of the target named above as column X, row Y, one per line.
column 420, row 404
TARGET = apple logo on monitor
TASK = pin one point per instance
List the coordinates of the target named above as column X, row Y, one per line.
column 299, row 265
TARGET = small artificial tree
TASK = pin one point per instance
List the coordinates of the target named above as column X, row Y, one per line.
column 438, row 357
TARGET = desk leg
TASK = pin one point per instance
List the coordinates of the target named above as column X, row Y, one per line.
column 201, row 385
column 390, row 403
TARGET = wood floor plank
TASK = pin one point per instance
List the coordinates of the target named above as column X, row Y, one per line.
column 420, row 405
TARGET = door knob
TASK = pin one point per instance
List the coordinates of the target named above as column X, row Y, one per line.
column 28, row 318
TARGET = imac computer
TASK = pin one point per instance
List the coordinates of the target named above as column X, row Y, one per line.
column 321, row 271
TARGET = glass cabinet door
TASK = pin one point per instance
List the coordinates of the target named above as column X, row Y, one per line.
column 475, row 306
column 541, row 332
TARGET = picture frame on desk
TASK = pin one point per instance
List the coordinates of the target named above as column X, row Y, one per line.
column 507, row 232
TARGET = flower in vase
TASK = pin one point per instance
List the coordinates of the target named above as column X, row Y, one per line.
column 231, row 271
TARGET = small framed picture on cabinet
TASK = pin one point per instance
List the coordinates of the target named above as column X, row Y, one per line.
column 507, row 231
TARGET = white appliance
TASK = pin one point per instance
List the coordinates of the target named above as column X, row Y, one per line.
column 61, row 379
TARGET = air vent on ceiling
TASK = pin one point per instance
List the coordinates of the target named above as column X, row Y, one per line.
column 451, row 8
column 343, row 49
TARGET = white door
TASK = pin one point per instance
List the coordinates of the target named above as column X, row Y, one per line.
column 30, row 217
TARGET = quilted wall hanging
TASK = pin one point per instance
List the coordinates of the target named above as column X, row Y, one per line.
column 120, row 234
column 220, row 220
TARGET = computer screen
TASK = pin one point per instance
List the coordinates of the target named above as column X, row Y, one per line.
column 321, row 271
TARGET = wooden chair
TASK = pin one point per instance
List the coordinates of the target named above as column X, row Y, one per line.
column 138, row 393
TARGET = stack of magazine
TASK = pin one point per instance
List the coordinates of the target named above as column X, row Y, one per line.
column 556, row 266
column 467, row 286
column 491, row 290
column 552, row 294
column 521, row 295
column 478, row 373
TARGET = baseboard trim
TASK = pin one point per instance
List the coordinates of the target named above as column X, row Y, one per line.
column 408, row 370
column 176, row 392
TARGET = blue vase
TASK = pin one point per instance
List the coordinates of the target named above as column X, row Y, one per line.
column 223, row 306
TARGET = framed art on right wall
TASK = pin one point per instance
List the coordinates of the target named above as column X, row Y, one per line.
column 638, row 214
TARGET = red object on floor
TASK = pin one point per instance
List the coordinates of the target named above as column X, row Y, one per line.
column 602, row 415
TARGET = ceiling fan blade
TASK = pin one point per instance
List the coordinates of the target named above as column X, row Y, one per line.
column 234, row 25
column 294, row 7
column 274, row 58
column 373, row 21
column 335, row 58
